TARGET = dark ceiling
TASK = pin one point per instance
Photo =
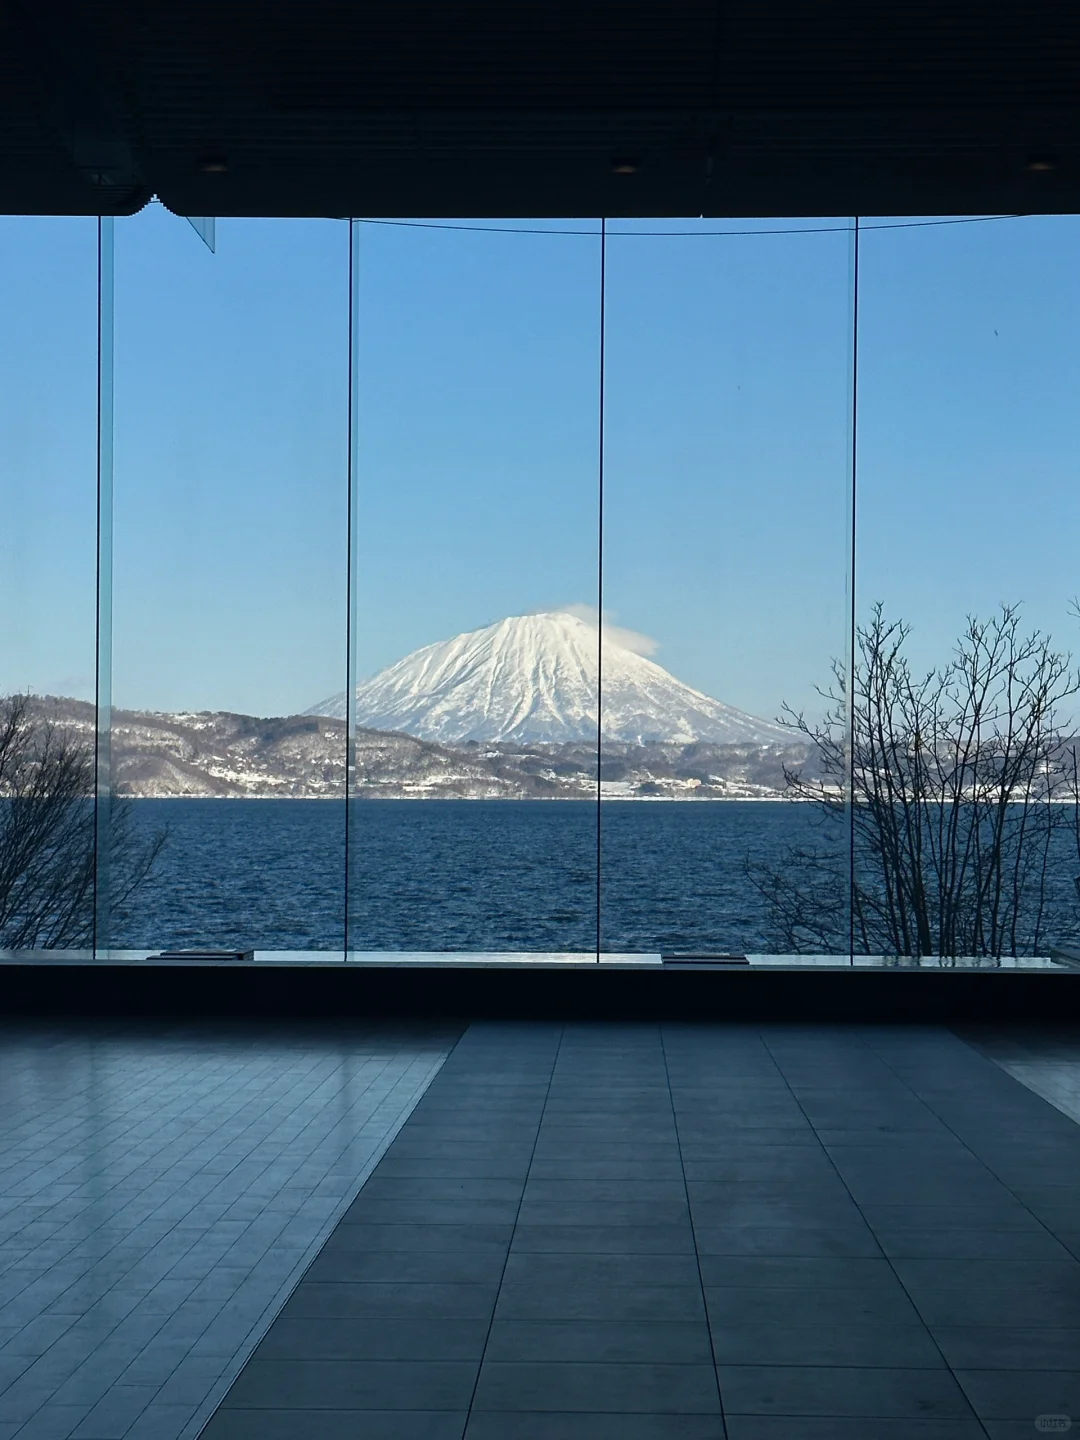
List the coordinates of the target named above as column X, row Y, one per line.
column 561, row 108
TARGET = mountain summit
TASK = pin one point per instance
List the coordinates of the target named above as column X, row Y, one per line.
column 533, row 678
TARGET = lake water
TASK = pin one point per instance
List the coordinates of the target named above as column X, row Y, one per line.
column 468, row 875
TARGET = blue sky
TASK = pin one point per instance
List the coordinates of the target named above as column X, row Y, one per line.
column 728, row 418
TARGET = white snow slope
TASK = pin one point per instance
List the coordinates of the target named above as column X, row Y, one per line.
column 533, row 678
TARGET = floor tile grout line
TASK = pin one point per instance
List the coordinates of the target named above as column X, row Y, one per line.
column 205, row 1412
column 1008, row 1067
column 191, row 1067
column 693, row 1231
column 887, row 1258
column 513, row 1231
column 1044, row 1228
column 32, row 1360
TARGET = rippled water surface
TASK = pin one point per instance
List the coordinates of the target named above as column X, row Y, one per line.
column 465, row 875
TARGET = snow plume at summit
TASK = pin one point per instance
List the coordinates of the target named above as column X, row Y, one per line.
column 616, row 635
column 535, row 678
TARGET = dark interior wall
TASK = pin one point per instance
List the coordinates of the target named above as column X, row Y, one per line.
column 288, row 992
column 635, row 108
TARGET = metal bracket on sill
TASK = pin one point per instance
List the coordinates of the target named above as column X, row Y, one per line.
column 704, row 962
column 205, row 955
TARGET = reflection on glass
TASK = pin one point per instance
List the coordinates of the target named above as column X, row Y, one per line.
column 229, row 582
column 726, row 552
column 474, row 822
column 966, row 716
column 48, row 371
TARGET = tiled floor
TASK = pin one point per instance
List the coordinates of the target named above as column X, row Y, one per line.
column 161, row 1190
column 654, row 1233
column 686, row 1233
column 1046, row 1061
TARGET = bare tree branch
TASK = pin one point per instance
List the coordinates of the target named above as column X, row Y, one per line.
column 963, row 788
column 47, row 834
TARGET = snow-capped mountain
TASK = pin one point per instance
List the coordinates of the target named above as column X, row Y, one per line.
column 533, row 678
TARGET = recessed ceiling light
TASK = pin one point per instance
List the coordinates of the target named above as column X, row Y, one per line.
column 213, row 164
column 625, row 165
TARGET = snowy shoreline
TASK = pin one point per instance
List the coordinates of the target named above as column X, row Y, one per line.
column 511, row 799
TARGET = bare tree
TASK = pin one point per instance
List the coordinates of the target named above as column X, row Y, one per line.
column 945, row 805
column 47, row 834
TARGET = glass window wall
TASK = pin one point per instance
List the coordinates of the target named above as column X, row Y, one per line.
column 229, row 583
column 965, row 716
column 473, row 808
column 48, row 581
column 727, row 544
column 389, row 588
